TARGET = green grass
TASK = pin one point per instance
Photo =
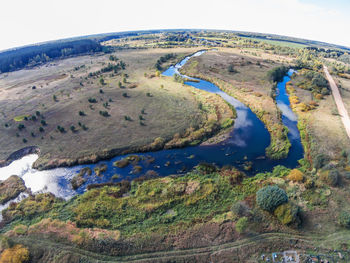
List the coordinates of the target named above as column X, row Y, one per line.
column 277, row 42
column 20, row 117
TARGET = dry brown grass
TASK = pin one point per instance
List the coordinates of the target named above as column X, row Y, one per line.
column 169, row 110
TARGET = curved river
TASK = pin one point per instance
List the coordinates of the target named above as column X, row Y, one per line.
column 246, row 143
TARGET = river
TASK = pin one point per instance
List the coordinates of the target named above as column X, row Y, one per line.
column 246, row 143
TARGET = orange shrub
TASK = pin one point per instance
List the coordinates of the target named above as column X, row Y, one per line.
column 294, row 99
column 16, row 254
column 319, row 96
column 295, row 175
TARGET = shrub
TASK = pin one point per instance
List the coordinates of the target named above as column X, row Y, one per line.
column 288, row 214
column 320, row 160
column 17, row 254
column 21, row 126
column 270, row 197
column 242, row 224
column 127, row 118
column 24, row 140
column 344, row 219
column 295, row 175
column 61, row 129
column 104, row 113
column 330, row 177
column 81, row 113
column 125, row 95
column 92, row 100
column 37, row 113
column 41, row 129
column 43, row 122
column 240, row 208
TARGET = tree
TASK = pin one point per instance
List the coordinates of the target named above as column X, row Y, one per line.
column 270, row 197
column 102, row 81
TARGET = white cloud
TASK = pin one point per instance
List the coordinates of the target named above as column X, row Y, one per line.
column 25, row 22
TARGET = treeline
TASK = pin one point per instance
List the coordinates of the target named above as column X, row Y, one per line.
column 277, row 74
column 164, row 59
column 34, row 55
column 110, row 67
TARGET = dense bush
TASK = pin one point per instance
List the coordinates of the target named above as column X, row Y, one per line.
column 242, row 224
column 288, row 214
column 320, row 160
column 240, row 208
column 270, row 197
column 331, row 177
column 16, row 254
column 277, row 74
column 344, row 219
column 295, row 175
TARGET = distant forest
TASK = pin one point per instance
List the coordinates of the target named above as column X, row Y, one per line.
column 34, row 55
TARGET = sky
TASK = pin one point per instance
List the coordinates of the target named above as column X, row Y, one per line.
column 26, row 22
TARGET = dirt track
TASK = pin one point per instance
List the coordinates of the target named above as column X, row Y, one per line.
column 339, row 102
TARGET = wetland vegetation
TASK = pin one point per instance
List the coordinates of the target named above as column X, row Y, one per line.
column 115, row 101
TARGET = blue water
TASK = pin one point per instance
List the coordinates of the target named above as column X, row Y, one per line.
column 246, row 143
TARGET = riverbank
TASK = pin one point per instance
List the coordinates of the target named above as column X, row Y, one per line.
column 138, row 112
column 256, row 96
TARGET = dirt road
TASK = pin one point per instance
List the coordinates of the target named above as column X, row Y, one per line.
column 339, row 102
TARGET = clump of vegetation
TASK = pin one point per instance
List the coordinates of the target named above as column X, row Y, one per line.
column 21, row 126
column 295, row 175
column 240, row 209
column 344, row 219
column 104, row 113
column 127, row 118
column 61, row 129
column 277, row 74
column 242, row 224
column 288, row 214
column 81, row 113
column 331, row 177
column 15, row 254
column 164, row 59
column 270, row 197
column 92, row 100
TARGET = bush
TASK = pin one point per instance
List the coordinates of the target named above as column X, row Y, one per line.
column 320, row 160
column 21, row 126
column 344, row 219
column 43, row 122
column 242, row 224
column 240, row 209
column 288, row 214
column 277, row 74
column 92, row 100
column 270, row 197
column 17, row 254
column 331, row 177
column 296, row 175
column 104, row 113
column 81, row 113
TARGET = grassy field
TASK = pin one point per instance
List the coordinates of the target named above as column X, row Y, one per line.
column 322, row 121
column 140, row 109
